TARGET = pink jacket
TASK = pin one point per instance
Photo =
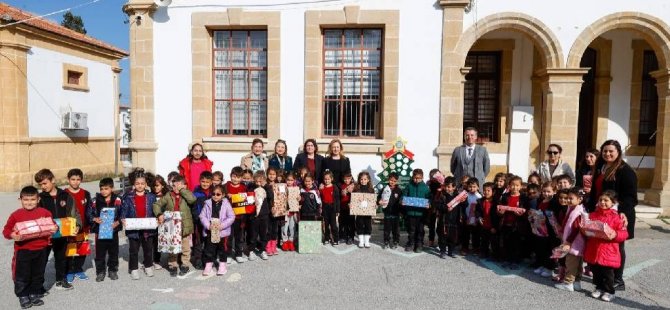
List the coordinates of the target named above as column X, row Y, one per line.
column 577, row 246
column 606, row 252
column 226, row 217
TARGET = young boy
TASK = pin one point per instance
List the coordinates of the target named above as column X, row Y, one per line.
column 201, row 192
column 488, row 221
column 248, row 178
column 61, row 205
column 139, row 203
column 178, row 199
column 391, row 208
column 330, row 197
column 346, row 221
column 262, row 216
column 448, row 220
column 106, row 250
column 234, row 186
column 563, row 181
column 30, row 258
column 470, row 213
column 415, row 231
column 217, row 178
column 509, row 231
column 82, row 201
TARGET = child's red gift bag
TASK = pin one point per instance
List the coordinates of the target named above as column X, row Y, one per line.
column 41, row 227
column 244, row 203
column 597, row 229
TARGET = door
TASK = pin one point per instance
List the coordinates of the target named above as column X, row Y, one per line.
column 585, row 123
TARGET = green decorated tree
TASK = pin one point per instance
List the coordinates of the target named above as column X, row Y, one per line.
column 398, row 160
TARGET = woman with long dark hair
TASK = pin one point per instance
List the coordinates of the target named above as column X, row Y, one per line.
column 310, row 159
column 193, row 165
column 585, row 172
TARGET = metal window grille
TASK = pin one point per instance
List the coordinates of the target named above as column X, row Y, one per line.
column 482, row 95
column 648, row 101
column 352, row 76
column 240, row 82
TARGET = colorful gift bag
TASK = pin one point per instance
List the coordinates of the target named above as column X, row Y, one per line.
column 279, row 207
column 596, row 229
column 244, row 203
column 143, row 223
column 82, row 248
column 454, row 202
column 105, row 230
column 71, row 250
column 538, row 223
column 309, row 237
column 415, row 202
column 554, row 222
column 215, row 230
column 470, row 211
column 363, row 204
column 66, row 227
column 41, row 227
column 293, row 198
column 169, row 233
column 260, row 196
column 386, row 196
column 510, row 209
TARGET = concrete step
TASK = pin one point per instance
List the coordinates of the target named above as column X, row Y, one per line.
column 647, row 212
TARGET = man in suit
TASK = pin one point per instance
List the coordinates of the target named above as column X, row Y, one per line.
column 470, row 159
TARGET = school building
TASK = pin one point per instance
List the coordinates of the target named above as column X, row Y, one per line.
column 58, row 100
column 525, row 73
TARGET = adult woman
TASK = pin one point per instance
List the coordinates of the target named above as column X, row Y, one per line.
column 279, row 159
column 256, row 160
column 554, row 166
column 336, row 162
column 585, row 172
column 612, row 173
column 193, row 165
column 310, row 159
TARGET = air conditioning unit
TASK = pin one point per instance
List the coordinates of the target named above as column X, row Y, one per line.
column 74, row 121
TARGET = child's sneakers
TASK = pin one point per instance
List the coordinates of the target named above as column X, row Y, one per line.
column 113, row 275
column 221, row 270
column 607, row 297
column 565, row 286
column 35, row 300
column 135, row 274
column 285, row 246
column 25, row 302
column 183, row 270
column 149, row 272
column 264, row 255
column 81, row 276
column 546, row 273
column 596, row 294
column 577, row 286
column 63, row 285
column 252, row 256
column 157, row 266
column 173, row 271
column 208, row 269
column 100, row 277
column 239, row 259
column 69, row 278
column 539, row 270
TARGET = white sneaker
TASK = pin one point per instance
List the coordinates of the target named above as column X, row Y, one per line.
column 149, row 272
column 546, row 273
column 157, row 266
column 596, row 294
column 539, row 270
column 239, row 259
column 361, row 241
column 229, row 260
column 135, row 274
column 577, row 286
column 607, row 297
column 264, row 256
column 565, row 286
column 252, row 256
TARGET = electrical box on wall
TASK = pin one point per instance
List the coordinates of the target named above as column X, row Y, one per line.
column 74, row 121
column 522, row 117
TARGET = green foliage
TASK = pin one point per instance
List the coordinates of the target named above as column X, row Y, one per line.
column 73, row 22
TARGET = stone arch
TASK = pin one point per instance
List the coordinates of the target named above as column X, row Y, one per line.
column 538, row 32
column 654, row 30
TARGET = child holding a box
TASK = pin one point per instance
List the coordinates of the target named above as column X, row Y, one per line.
column 139, row 203
column 30, row 258
column 234, row 186
column 470, row 227
column 449, row 217
column 330, row 196
column 391, row 208
column 414, row 215
column 509, row 224
column 217, row 207
column 364, row 222
column 574, row 242
column 106, row 249
column 488, row 221
column 82, row 200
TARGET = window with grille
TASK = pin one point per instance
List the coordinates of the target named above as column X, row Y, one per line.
column 648, row 101
column 240, row 82
column 352, row 76
column 482, row 95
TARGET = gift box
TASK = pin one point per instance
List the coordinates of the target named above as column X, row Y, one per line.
column 280, row 204
column 67, row 227
column 105, row 230
column 587, row 180
column 244, row 203
column 260, row 195
column 78, row 249
column 510, row 209
column 169, row 233
column 309, row 237
column 215, row 230
column 597, row 229
column 363, row 204
column 415, row 202
column 538, row 223
column 80, row 237
column 144, row 223
column 470, row 213
column 41, row 227
column 553, row 221
column 385, row 196
column 558, row 253
column 454, row 202
column 293, row 198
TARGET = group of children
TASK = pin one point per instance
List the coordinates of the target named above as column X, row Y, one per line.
column 498, row 221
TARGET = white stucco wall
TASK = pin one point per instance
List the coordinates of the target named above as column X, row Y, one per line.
column 48, row 101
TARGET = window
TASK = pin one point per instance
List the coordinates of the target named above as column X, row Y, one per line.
column 648, row 101
column 240, row 82
column 352, row 75
column 73, row 77
column 482, row 95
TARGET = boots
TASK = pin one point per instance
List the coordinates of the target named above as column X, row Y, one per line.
column 361, row 241
column 286, row 246
column 274, row 248
column 268, row 248
column 367, row 241
column 222, row 269
column 208, row 270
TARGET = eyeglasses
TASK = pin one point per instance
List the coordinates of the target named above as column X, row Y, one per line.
column 218, row 194
column 552, row 152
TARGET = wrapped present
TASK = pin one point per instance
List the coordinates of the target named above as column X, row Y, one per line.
column 511, row 209
column 260, row 195
column 454, row 202
column 538, row 223
column 597, row 229
column 67, row 226
column 144, row 223
column 293, row 198
column 385, row 196
column 41, row 227
column 280, row 204
column 363, row 204
column 415, row 202
column 169, row 233
column 80, row 237
column 105, row 229
column 78, row 249
column 215, row 230
column 470, row 213
column 558, row 253
column 553, row 221
column 309, row 237
column 244, row 203
column 587, row 180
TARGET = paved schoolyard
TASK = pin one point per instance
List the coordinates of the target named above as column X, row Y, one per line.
column 348, row 277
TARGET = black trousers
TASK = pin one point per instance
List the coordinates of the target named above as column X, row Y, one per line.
column 486, row 242
column 198, row 244
column 61, row 262
column 329, row 220
column 238, row 234
column 618, row 272
column 347, row 225
column 260, row 231
column 510, row 244
column 276, row 223
column 213, row 251
column 431, row 221
column 28, row 271
column 415, row 231
column 603, row 278
column 447, row 237
column 157, row 255
column 542, row 247
column 391, row 226
column 147, row 251
column 107, row 253
column 470, row 233
column 364, row 224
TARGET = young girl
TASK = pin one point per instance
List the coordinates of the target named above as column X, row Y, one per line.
column 603, row 254
column 290, row 221
column 574, row 242
column 500, row 181
column 509, row 226
column 301, row 176
column 276, row 217
column 330, row 196
column 347, row 221
column 139, row 204
column 534, row 178
column 310, row 200
column 363, row 222
column 544, row 240
column 434, row 185
column 559, row 207
column 219, row 208
column 159, row 188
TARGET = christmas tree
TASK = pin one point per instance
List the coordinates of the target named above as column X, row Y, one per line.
column 399, row 160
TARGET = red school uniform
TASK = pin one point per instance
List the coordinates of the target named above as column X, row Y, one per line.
column 22, row 215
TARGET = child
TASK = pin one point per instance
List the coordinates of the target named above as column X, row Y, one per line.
column 532, row 193
column 500, row 185
column 106, row 250
column 563, row 181
column 509, row 226
column 434, row 186
column 559, row 207
column 248, row 178
column 217, row 207
column 573, row 241
column 463, row 185
column 310, row 200
column 291, row 220
column 61, row 205
column 276, row 222
column 217, row 178
column 488, row 222
column 470, row 214
column 534, row 178
column 202, row 192
column 30, row 257
column 364, row 222
column 603, row 255
column 330, row 196
column 448, row 219
column 178, row 200
column 391, row 209
column 414, row 216
column 262, row 216
column 159, row 189
column 82, row 200
column 301, row 175
column 241, row 223
column 140, row 203
column 347, row 222
column 543, row 244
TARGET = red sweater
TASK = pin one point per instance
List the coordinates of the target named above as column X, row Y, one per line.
column 80, row 203
column 22, row 215
column 606, row 252
column 327, row 194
